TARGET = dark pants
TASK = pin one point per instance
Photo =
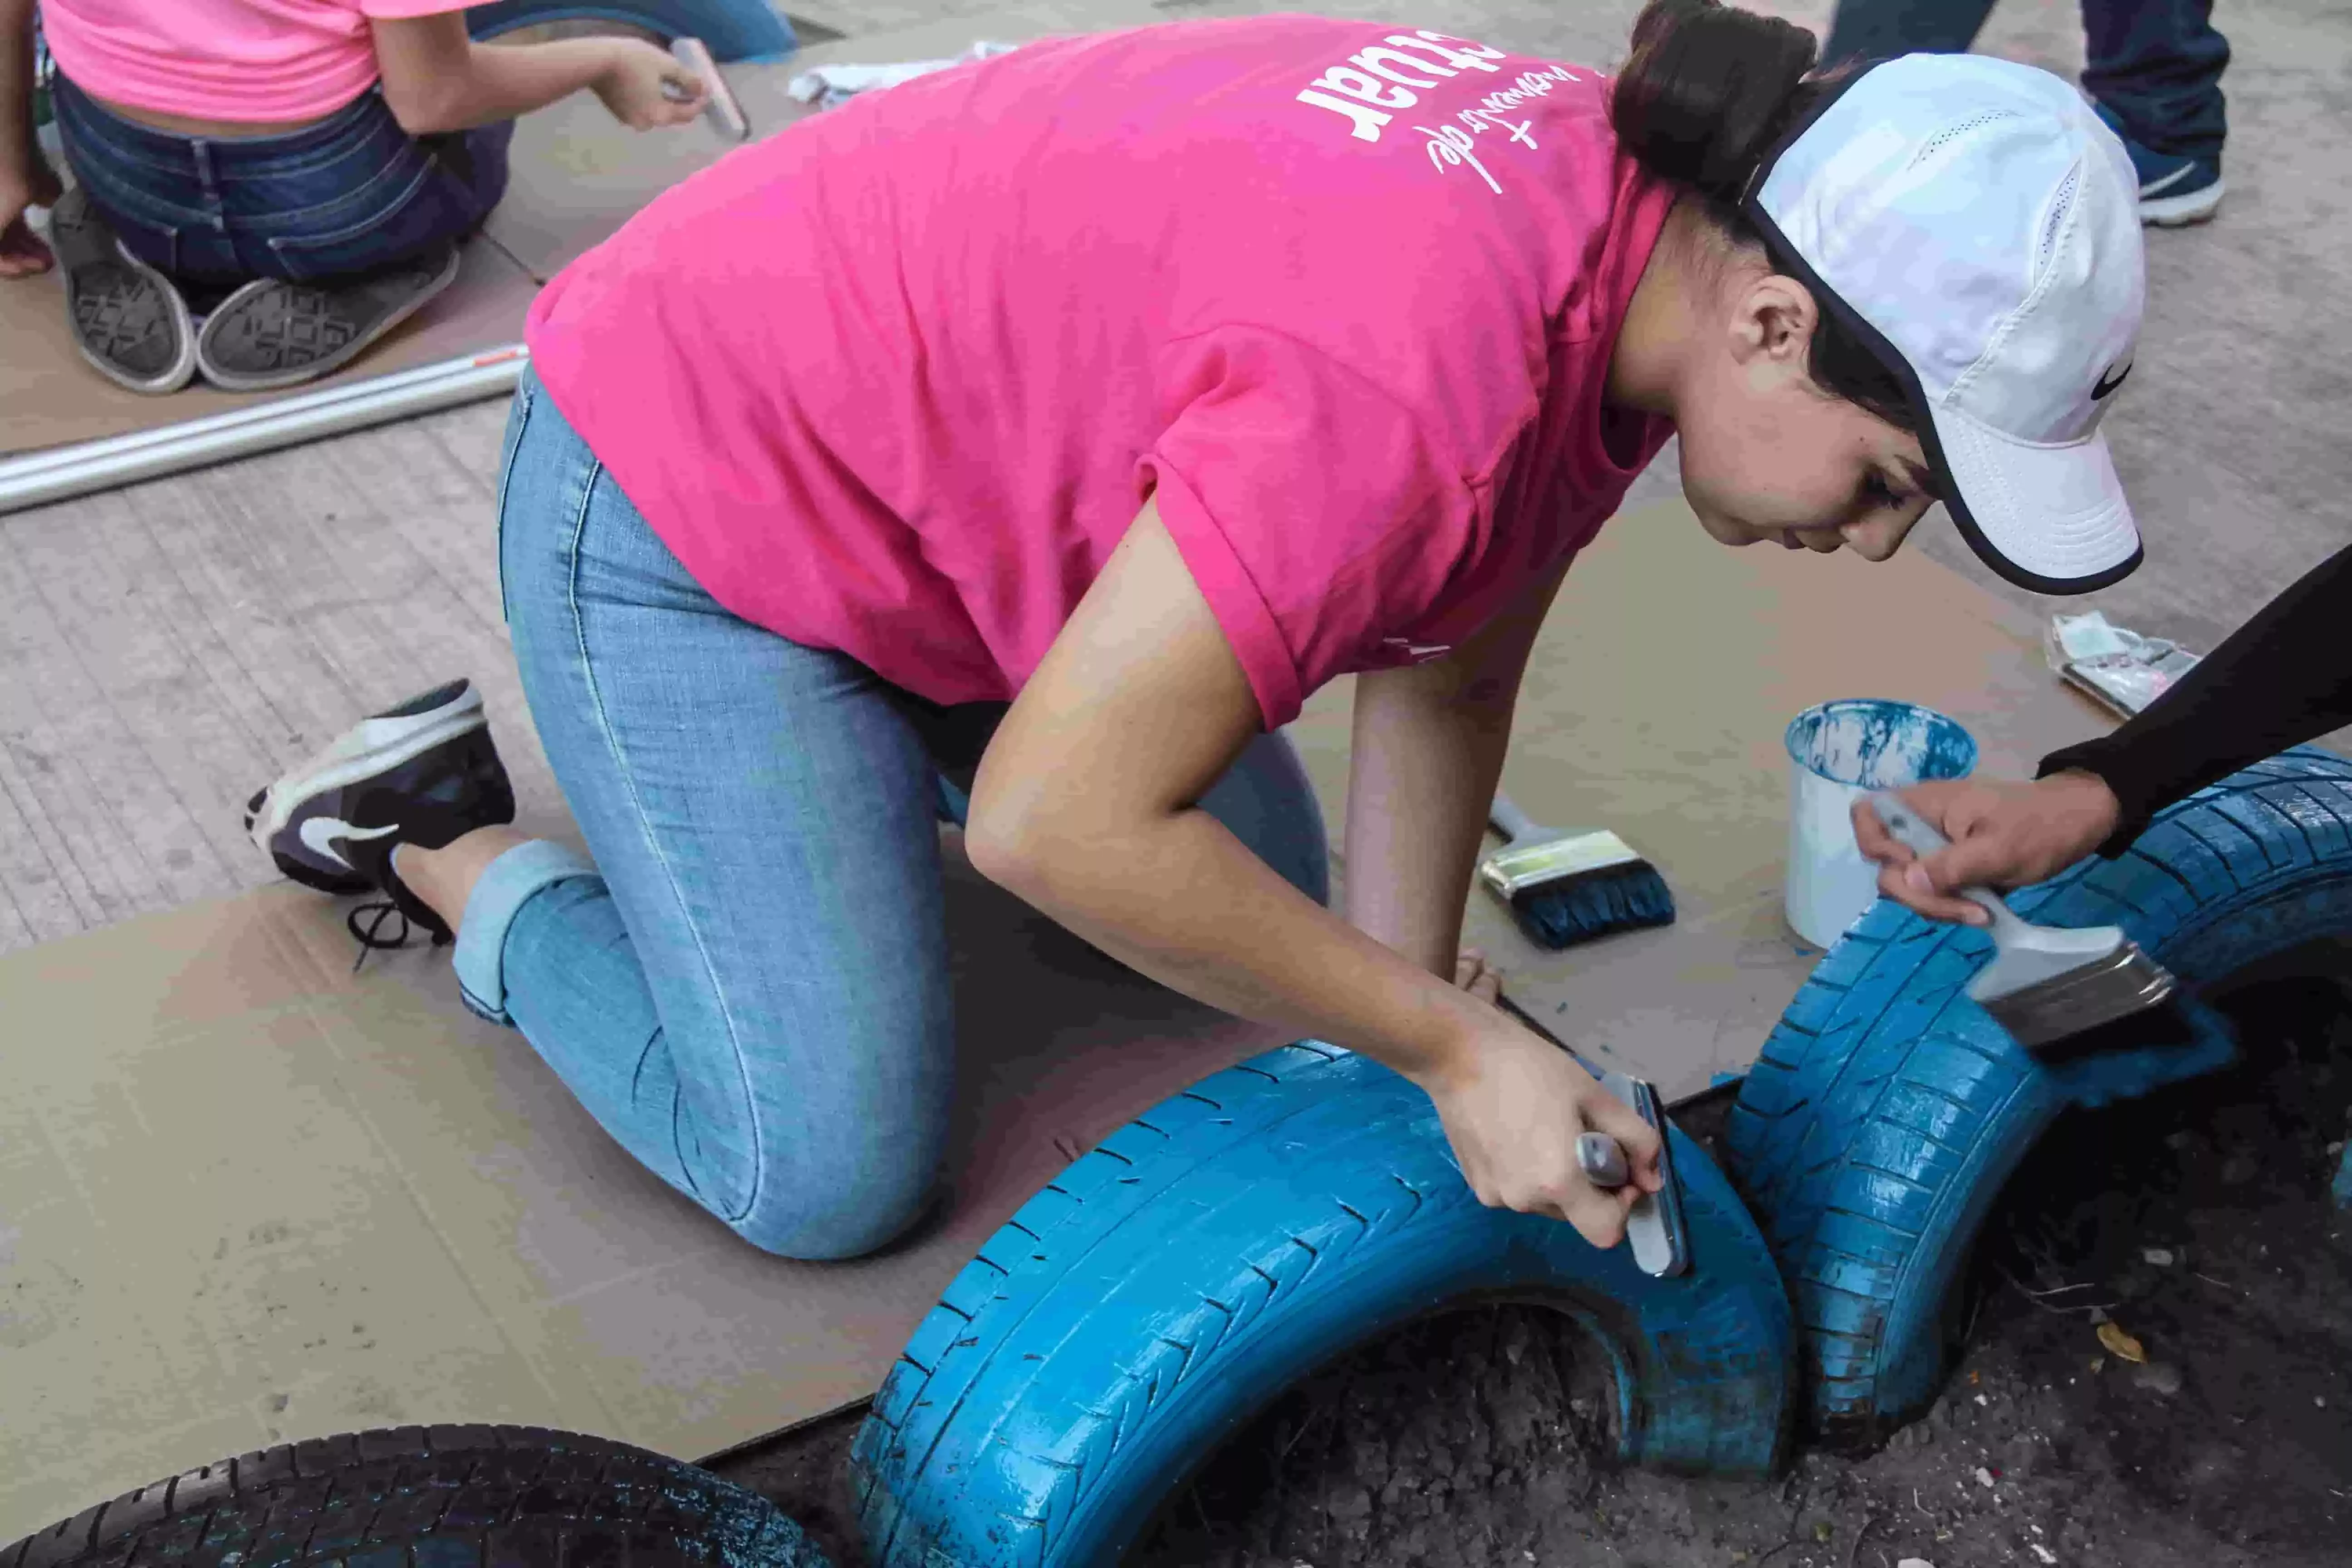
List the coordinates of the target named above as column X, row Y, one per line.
column 2156, row 65
column 353, row 192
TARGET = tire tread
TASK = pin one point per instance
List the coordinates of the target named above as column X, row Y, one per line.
column 1880, row 1047
column 486, row 1495
column 1275, row 1177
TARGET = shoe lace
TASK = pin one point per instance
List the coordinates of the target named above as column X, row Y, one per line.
column 367, row 924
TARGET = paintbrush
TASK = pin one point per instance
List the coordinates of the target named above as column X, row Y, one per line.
column 1565, row 887
column 724, row 111
column 1654, row 1227
column 2057, row 990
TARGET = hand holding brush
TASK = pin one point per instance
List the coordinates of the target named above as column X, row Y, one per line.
column 2053, row 988
column 1654, row 1216
column 1514, row 1102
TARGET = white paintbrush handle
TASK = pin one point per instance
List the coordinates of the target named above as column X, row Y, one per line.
column 724, row 113
column 1914, row 832
column 1511, row 822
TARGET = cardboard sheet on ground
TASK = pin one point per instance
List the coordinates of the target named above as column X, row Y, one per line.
column 1654, row 705
column 1657, row 704
column 247, row 1196
column 577, row 176
column 49, row 397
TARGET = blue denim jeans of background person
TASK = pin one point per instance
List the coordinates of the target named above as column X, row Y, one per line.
column 749, row 987
column 2156, row 65
column 353, row 192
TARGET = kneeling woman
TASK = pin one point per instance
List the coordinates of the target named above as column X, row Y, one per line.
column 1112, row 396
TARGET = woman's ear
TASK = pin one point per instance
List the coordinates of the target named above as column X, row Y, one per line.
column 1774, row 319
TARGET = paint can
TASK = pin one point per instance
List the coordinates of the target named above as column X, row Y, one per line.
column 1837, row 752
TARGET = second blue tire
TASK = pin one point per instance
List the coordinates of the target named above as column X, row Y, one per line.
column 1887, row 1110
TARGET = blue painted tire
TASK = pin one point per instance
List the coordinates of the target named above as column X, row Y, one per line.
column 1887, row 1110
column 1175, row 1280
column 735, row 29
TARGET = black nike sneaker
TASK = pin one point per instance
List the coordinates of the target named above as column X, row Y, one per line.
column 424, row 772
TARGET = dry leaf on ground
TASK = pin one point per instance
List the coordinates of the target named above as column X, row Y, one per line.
column 2113, row 1336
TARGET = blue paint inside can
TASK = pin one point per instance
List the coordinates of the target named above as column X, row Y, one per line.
column 1877, row 744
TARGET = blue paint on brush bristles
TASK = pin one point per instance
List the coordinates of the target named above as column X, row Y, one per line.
column 1578, row 908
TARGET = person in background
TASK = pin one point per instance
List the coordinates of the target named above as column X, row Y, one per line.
column 2283, row 677
column 2154, row 69
column 300, row 170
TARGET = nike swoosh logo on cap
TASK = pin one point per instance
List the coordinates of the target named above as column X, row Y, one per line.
column 319, row 834
column 2105, row 385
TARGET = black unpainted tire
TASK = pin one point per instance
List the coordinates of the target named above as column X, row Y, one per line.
column 431, row 1497
column 1887, row 1109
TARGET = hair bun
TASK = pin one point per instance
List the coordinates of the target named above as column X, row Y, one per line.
column 1706, row 90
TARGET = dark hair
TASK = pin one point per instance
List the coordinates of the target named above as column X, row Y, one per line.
column 1706, row 93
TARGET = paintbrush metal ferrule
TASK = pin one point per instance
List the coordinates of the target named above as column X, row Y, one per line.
column 2124, row 983
column 1517, row 867
column 2045, row 984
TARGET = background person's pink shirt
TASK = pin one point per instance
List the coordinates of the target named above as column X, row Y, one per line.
column 257, row 62
column 896, row 381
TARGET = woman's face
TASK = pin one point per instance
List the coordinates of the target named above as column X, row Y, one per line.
column 1766, row 455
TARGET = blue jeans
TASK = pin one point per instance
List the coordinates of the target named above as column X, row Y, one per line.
column 2155, row 64
column 353, row 192
column 749, row 988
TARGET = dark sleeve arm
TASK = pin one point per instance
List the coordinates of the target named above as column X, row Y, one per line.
column 2283, row 677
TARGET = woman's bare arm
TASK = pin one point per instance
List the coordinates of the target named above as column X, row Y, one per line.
column 25, row 177
column 438, row 78
column 1083, row 805
column 1428, row 752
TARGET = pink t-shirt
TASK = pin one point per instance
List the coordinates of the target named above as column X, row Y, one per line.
column 261, row 62
column 896, row 381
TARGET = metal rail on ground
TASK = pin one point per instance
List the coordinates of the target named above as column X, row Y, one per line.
column 56, row 473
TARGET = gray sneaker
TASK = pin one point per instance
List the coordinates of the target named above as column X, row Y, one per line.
column 271, row 333
column 128, row 320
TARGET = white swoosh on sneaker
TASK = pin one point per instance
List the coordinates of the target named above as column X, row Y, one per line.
column 2157, row 187
column 319, row 834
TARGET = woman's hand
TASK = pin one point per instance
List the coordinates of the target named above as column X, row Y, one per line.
column 22, row 254
column 2003, row 836
column 437, row 79
column 1512, row 1107
column 646, row 88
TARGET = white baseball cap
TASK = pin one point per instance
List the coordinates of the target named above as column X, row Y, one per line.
column 1975, row 224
